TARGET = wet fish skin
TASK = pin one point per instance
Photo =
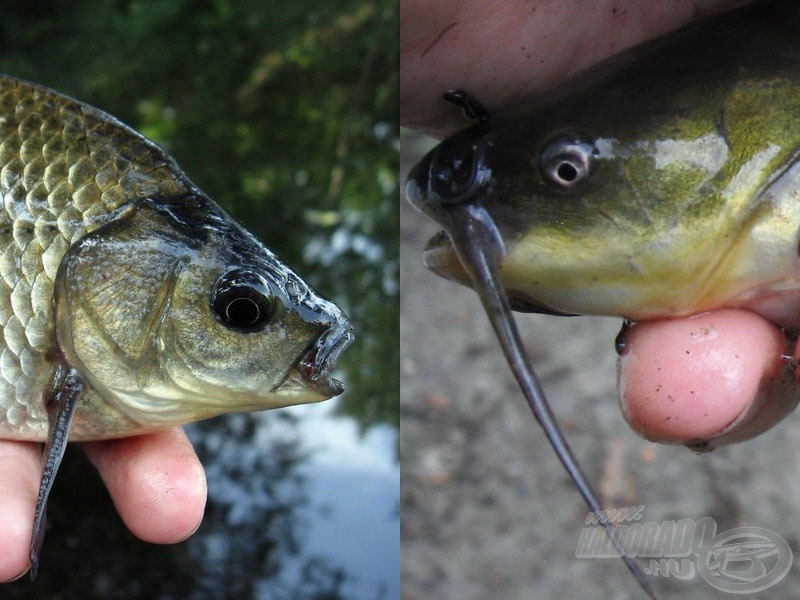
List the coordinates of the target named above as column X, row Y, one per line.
column 109, row 258
column 129, row 301
column 664, row 182
column 689, row 199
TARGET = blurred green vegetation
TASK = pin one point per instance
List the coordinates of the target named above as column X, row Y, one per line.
column 286, row 113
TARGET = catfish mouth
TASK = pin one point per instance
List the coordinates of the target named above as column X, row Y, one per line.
column 440, row 257
column 316, row 366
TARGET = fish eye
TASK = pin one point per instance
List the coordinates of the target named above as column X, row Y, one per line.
column 454, row 172
column 241, row 301
column 566, row 162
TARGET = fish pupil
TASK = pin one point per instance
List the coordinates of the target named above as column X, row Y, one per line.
column 242, row 304
column 567, row 172
column 242, row 311
column 242, row 308
column 566, row 162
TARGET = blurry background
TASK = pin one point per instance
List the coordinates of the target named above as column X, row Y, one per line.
column 487, row 509
column 286, row 114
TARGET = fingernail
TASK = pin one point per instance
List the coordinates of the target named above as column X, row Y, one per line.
column 22, row 574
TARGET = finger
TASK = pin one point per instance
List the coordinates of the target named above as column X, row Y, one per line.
column 716, row 376
column 20, row 470
column 502, row 52
column 156, row 482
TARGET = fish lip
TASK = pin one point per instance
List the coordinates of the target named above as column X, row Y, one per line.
column 440, row 257
column 316, row 365
column 438, row 241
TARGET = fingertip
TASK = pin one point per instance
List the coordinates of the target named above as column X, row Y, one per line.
column 689, row 379
column 20, row 469
column 156, row 481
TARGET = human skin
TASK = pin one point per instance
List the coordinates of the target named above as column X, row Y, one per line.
column 681, row 381
column 156, row 482
column 506, row 52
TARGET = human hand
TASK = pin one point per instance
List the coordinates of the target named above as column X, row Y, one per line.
column 719, row 377
column 506, row 52
column 156, row 482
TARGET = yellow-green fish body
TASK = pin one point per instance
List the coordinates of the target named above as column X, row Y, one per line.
column 664, row 182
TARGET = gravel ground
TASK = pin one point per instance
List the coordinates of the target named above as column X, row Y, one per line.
column 487, row 510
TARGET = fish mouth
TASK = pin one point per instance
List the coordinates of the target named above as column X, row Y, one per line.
column 440, row 257
column 312, row 372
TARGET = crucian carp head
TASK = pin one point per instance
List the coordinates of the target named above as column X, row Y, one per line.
column 174, row 313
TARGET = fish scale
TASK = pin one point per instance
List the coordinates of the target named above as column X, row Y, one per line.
column 66, row 170
column 129, row 301
column 60, row 179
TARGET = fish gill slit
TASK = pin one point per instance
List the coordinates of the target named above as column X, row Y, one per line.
column 737, row 236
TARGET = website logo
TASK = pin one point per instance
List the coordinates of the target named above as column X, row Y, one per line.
column 744, row 560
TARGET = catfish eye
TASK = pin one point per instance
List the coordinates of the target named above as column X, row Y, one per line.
column 454, row 172
column 242, row 301
column 566, row 162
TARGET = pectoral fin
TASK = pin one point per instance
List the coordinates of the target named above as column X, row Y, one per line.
column 60, row 400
